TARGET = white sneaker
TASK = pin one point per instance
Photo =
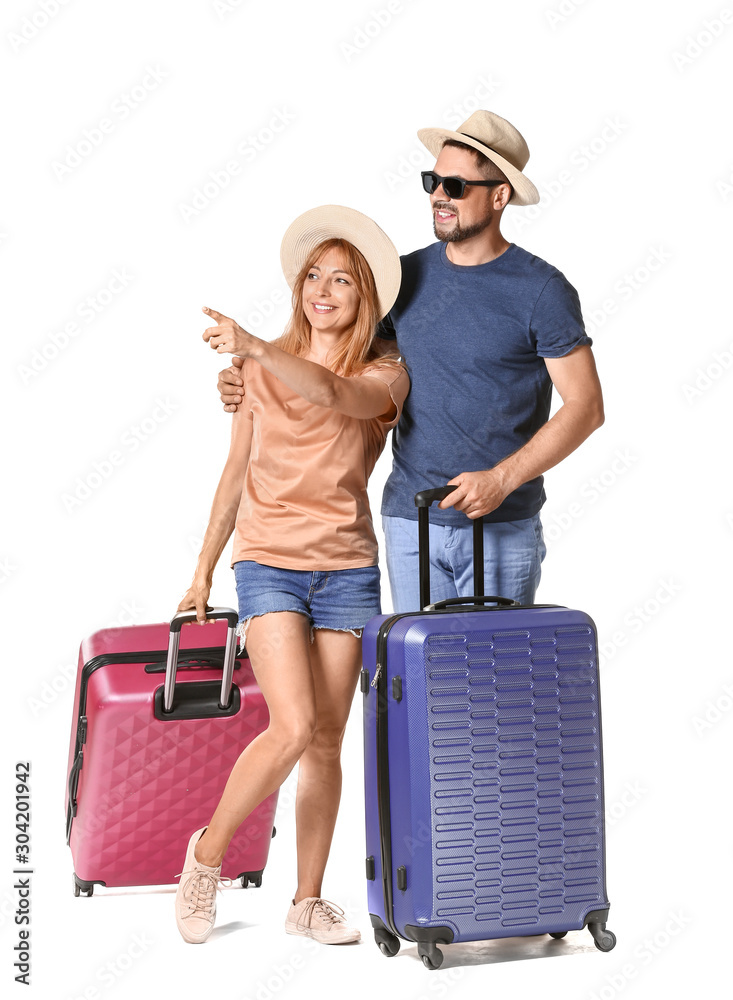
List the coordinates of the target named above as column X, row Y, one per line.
column 321, row 920
column 196, row 896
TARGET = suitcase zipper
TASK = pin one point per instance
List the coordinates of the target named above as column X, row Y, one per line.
column 385, row 826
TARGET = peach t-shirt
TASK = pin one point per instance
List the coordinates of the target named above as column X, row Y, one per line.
column 304, row 502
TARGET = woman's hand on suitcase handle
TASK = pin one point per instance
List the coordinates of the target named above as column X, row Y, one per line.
column 228, row 337
column 477, row 493
column 196, row 597
column 231, row 385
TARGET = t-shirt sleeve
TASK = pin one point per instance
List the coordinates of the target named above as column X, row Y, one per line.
column 398, row 383
column 557, row 324
column 385, row 329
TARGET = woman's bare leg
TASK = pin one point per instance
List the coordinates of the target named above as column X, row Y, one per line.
column 279, row 647
column 335, row 662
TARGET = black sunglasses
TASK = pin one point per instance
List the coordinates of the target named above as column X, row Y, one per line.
column 454, row 187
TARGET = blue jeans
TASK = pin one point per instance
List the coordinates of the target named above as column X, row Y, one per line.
column 513, row 554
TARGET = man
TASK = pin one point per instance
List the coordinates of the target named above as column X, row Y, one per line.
column 486, row 330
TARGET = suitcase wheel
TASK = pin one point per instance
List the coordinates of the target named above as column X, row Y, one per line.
column 557, row 934
column 86, row 887
column 604, row 940
column 247, row 879
column 432, row 957
column 389, row 945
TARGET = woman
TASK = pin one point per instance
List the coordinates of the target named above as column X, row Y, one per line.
column 318, row 405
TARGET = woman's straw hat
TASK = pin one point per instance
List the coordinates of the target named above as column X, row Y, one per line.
column 329, row 221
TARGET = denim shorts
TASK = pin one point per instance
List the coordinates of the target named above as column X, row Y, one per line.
column 339, row 599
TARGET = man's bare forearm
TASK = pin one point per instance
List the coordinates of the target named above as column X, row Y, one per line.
column 559, row 437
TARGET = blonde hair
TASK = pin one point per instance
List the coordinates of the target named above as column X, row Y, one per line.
column 354, row 352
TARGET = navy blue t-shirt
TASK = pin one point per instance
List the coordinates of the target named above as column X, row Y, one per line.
column 474, row 339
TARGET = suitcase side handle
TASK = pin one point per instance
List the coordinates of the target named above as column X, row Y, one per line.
column 174, row 639
column 423, row 500
column 502, row 602
column 72, row 790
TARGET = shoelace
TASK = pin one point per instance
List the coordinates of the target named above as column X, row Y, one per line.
column 330, row 911
column 200, row 889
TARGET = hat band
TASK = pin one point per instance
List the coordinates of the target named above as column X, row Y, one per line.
column 491, row 148
column 475, row 139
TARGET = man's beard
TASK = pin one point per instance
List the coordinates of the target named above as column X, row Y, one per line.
column 458, row 232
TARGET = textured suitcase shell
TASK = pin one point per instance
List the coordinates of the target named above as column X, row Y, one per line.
column 138, row 787
column 495, row 776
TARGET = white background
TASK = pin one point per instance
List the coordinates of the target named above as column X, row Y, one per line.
column 623, row 106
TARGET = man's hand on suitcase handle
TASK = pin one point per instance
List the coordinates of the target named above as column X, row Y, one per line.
column 477, row 493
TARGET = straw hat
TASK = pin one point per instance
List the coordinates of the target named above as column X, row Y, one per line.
column 329, row 221
column 499, row 141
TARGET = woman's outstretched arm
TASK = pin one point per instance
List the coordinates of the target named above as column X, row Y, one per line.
column 223, row 515
column 363, row 398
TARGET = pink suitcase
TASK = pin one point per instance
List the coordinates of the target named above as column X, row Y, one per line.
column 152, row 748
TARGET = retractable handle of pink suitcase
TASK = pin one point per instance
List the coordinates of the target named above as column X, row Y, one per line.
column 174, row 639
column 423, row 500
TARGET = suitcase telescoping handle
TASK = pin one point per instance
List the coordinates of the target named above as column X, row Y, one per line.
column 423, row 500
column 174, row 639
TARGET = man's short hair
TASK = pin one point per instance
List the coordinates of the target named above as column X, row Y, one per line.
column 488, row 170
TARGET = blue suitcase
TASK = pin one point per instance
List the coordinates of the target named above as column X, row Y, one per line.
column 483, row 769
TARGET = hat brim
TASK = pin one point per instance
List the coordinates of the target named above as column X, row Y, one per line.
column 338, row 222
column 525, row 193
